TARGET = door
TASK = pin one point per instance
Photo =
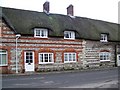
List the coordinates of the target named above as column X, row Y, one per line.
column 118, row 59
column 29, row 61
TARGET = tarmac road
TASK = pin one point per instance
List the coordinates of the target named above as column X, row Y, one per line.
column 81, row 79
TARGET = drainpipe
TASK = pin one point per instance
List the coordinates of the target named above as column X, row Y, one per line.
column 17, row 37
column 115, row 55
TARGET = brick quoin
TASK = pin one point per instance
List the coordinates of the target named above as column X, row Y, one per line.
column 5, row 68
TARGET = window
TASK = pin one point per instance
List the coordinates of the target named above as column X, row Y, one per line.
column 69, row 35
column 46, row 58
column 29, row 57
column 69, row 57
column 3, row 57
column 103, row 38
column 104, row 56
column 42, row 33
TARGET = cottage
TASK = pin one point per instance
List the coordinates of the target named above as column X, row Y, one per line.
column 41, row 41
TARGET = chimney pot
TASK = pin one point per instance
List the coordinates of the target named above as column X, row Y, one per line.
column 70, row 11
column 46, row 7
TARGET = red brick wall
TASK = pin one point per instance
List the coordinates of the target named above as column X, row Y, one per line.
column 37, row 45
column 4, row 69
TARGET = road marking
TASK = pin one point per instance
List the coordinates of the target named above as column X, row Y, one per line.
column 49, row 82
column 96, row 85
column 22, row 79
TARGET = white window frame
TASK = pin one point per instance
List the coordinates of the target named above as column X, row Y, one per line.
column 106, row 54
column 38, row 33
column 71, row 34
column 52, row 58
column 31, row 57
column 104, row 38
column 68, row 60
column 6, row 58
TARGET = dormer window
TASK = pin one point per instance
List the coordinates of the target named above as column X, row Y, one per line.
column 104, row 38
column 69, row 35
column 41, row 33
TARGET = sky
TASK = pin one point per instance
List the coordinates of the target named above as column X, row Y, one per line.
column 106, row 10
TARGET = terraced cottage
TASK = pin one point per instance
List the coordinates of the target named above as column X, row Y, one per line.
column 34, row 41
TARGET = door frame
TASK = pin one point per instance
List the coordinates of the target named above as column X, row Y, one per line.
column 33, row 61
column 118, row 61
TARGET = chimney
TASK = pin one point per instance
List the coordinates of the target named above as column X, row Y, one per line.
column 70, row 10
column 46, row 7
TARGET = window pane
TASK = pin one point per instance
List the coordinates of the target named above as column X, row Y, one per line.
column 107, row 56
column 31, row 57
column 27, row 57
column 50, row 57
column 65, row 57
column 30, row 53
column 41, row 57
column 4, row 59
column 42, row 33
column 104, row 37
column 45, row 33
column 27, row 61
column 46, row 57
column 101, row 57
column 37, row 32
column 118, row 57
column 104, row 56
column 101, row 37
column 70, row 57
column 0, row 59
column 66, row 35
column 27, row 54
column 70, row 35
column 2, row 51
column 74, row 57
column 31, row 61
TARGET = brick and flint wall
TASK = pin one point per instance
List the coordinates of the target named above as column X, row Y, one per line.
column 25, row 43
column 87, row 52
column 91, row 51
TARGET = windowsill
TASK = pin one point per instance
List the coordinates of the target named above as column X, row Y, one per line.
column 3, row 65
column 69, row 38
column 47, row 63
column 103, row 41
column 104, row 60
column 40, row 37
column 70, row 62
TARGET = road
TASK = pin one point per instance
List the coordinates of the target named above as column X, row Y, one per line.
column 81, row 79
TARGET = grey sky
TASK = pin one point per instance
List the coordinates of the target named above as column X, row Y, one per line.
column 106, row 10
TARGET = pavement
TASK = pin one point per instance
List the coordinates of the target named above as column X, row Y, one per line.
column 67, row 71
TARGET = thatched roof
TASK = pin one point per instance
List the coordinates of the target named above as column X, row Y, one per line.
column 23, row 22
